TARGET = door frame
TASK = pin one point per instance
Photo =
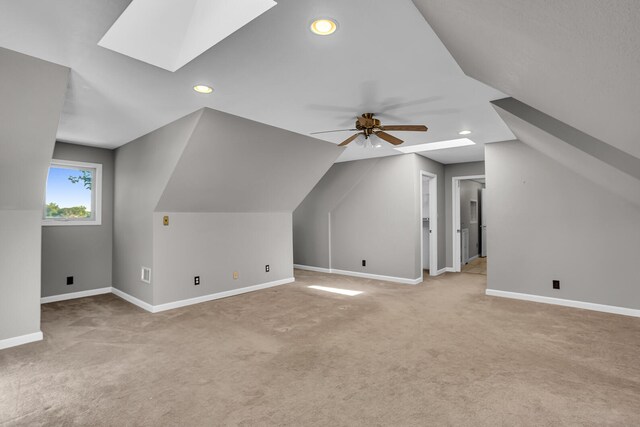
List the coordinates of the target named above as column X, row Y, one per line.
column 433, row 224
column 455, row 218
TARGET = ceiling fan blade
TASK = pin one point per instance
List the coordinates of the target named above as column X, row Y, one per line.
column 389, row 138
column 329, row 131
column 348, row 140
column 412, row 128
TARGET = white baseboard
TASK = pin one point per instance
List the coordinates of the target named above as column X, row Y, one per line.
column 444, row 270
column 74, row 295
column 22, row 339
column 359, row 274
column 565, row 302
column 133, row 300
column 225, row 294
column 197, row 300
column 378, row 277
column 472, row 258
column 311, row 268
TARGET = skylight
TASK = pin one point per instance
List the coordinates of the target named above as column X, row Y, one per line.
column 169, row 33
column 440, row 145
column 336, row 290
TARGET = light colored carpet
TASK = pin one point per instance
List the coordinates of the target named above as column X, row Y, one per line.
column 440, row 353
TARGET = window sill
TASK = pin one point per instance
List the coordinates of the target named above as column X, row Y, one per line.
column 61, row 222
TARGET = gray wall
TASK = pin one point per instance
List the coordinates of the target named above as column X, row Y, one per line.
column 470, row 190
column 575, row 232
column 213, row 246
column 81, row 251
column 31, row 97
column 378, row 213
column 233, row 164
column 374, row 205
column 194, row 170
column 142, row 169
column 311, row 217
column 451, row 171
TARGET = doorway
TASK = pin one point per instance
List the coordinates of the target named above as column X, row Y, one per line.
column 429, row 223
column 469, row 231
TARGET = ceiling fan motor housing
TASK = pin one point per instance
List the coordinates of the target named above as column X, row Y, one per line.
column 367, row 124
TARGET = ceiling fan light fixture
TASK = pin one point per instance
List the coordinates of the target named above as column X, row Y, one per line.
column 324, row 26
column 203, row 89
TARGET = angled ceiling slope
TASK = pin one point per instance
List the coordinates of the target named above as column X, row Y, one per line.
column 232, row 164
column 170, row 33
column 31, row 98
column 596, row 161
column 576, row 60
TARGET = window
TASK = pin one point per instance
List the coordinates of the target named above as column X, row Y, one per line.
column 73, row 194
column 473, row 215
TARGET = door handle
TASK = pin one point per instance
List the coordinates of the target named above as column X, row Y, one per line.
column 458, row 231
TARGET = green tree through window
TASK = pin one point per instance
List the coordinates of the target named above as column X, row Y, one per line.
column 85, row 177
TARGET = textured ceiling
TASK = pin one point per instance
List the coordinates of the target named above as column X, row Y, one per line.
column 384, row 58
column 575, row 60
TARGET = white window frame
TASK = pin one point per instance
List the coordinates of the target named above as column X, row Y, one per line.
column 96, row 195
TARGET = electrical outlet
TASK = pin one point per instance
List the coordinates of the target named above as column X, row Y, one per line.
column 556, row 284
column 196, row 280
column 235, row 275
column 267, row 268
column 69, row 280
column 364, row 262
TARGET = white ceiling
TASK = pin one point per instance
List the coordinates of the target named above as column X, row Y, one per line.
column 384, row 58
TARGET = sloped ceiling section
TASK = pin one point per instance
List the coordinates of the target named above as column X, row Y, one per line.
column 233, row 164
column 31, row 97
column 576, row 60
column 596, row 161
column 310, row 219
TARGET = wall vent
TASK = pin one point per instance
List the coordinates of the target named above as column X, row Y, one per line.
column 145, row 275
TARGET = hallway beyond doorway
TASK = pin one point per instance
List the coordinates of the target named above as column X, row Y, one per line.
column 476, row 266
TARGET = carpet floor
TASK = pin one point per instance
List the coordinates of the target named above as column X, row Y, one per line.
column 440, row 353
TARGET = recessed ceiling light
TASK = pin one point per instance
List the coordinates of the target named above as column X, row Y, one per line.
column 464, row 132
column 440, row 145
column 202, row 89
column 324, row 27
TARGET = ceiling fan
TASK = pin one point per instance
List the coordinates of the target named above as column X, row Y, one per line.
column 367, row 125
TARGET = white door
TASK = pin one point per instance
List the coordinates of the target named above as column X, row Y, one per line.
column 483, row 222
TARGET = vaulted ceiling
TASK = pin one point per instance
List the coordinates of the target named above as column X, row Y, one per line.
column 576, row 60
column 384, row 58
